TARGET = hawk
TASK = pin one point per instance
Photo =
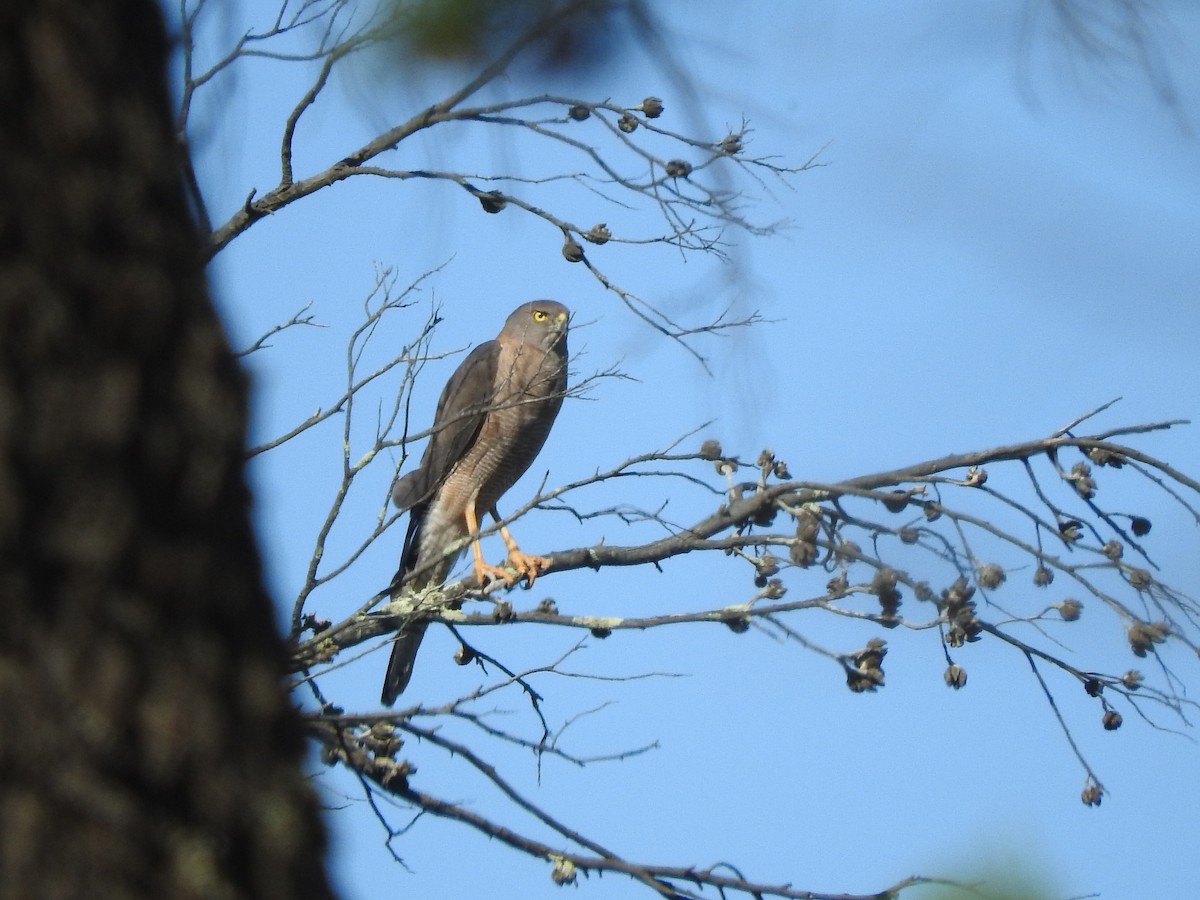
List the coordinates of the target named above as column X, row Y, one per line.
column 492, row 419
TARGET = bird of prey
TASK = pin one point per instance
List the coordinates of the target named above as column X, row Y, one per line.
column 492, row 419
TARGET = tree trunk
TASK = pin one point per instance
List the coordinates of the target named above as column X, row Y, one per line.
column 146, row 746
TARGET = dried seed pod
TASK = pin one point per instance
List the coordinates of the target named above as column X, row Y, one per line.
column 764, row 515
column 884, row 580
column 963, row 630
column 628, row 123
column 579, row 112
column 725, row 465
column 990, row 576
column 837, row 585
column 883, row 586
column 1139, row 578
column 601, row 633
column 1081, row 479
column 802, row 553
column 738, row 624
column 808, row 522
column 598, row 234
column 731, row 144
column 651, row 107
column 1092, row 794
column 908, row 535
column 1042, row 576
column 932, row 511
column 766, row 459
column 1094, row 687
column 774, row 589
column 464, row 655
column 958, row 611
column 867, row 674
column 1103, row 457
column 897, row 502
column 766, row 565
column 563, row 870
column 955, row 676
column 1113, row 550
column 976, row 477
column 312, row 623
column 958, row 593
column 571, row 250
column 1070, row 609
column 1143, row 636
column 889, row 598
column 922, row 591
column 1133, row 679
column 847, row 551
column 1139, row 526
column 1112, row 720
column 491, row 201
column 678, row 168
column 389, row 772
column 780, row 471
column 863, row 682
column 382, row 731
column 710, row 449
column 1069, row 530
column 871, row 656
column 1139, row 642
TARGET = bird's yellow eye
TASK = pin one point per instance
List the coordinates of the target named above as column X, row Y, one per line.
column 540, row 315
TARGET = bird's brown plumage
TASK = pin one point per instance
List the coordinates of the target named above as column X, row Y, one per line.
column 492, row 419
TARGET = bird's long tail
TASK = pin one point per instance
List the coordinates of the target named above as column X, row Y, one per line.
column 408, row 639
column 400, row 666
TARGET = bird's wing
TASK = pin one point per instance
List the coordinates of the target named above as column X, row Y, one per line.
column 461, row 410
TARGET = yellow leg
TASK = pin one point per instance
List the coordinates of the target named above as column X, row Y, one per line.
column 527, row 566
column 483, row 571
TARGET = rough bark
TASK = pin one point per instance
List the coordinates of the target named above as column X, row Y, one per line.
column 146, row 746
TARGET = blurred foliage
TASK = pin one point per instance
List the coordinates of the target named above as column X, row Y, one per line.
column 1016, row 881
column 569, row 33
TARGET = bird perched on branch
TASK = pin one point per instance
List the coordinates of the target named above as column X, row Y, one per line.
column 492, row 419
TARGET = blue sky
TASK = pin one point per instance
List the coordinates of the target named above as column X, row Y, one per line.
column 1004, row 236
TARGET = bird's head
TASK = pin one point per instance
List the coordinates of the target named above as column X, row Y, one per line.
column 539, row 322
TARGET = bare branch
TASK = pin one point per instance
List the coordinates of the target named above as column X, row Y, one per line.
column 298, row 318
column 366, row 753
